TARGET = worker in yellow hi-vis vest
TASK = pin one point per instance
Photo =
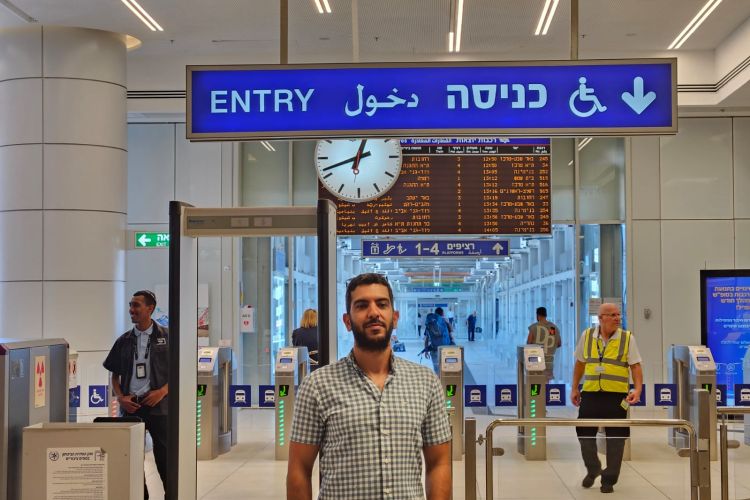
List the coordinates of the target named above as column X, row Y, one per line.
column 606, row 357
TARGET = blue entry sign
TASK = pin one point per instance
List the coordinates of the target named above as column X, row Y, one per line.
column 555, row 394
column 539, row 98
column 720, row 392
column 505, row 395
column 74, row 397
column 435, row 248
column 98, row 396
column 239, row 396
column 475, row 395
column 665, row 394
column 267, row 396
column 642, row 402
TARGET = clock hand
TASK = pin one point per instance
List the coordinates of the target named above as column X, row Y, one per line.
column 355, row 166
column 348, row 160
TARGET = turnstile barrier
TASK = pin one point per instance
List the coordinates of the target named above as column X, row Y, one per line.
column 292, row 365
column 452, row 380
column 216, row 420
column 532, row 394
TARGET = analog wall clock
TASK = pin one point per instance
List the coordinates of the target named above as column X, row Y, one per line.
column 358, row 170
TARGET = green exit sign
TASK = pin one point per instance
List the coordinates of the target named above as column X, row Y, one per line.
column 151, row 240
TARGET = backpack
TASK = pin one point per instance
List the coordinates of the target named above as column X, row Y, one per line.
column 433, row 331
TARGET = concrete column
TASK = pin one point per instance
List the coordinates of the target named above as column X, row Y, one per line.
column 63, row 190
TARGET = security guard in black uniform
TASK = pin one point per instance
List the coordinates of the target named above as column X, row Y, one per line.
column 606, row 357
column 139, row 362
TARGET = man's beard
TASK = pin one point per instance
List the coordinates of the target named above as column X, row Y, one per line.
column 369, row 344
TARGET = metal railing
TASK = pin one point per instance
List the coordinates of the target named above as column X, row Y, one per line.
column 491, row 451
column 723, row 411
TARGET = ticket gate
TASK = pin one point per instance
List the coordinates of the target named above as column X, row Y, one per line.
column 452, row 379
column 691, row 368
column 292, row 365
column 34, row 389
column 532, row 403
column 216, row 420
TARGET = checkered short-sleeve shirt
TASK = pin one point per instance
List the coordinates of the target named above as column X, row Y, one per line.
column 370, row 441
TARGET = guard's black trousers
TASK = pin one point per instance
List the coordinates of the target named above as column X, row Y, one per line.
column 603, row 405
column 156, row 425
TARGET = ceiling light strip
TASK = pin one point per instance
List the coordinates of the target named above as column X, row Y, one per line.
column 327, row 6
column 550, row 16
column 451, row 36
column 148, row 16
column 542, row 18
column 459, row 22
column 319, row 6
column 139, row 15
column 693, row 25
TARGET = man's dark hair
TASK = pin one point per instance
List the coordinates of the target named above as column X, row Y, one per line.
column 541, row 311
column 439, row 311
column 148, row 297
column 366, row 279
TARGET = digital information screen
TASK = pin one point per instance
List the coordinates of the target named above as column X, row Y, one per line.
column 459, row 186
column 725, row 312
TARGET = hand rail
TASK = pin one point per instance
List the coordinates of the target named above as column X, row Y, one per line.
column 592, row 422
column 723, row 411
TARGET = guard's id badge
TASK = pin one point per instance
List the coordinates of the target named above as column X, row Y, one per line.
column 140, row 370
column 599, row 369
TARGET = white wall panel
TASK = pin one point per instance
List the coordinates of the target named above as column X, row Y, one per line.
column 20, row 246
column 696, row 170
column 19, row 99
column 68, row 53
column 98, row 108
column 21, row 52
column 103, row 306
column 198, row 171
column 80, row 245
column 209, row 272
column 147, row 268
column 21, row 309
column 85, row 178
column 742, row 244
column 646, row 294
column 21, row 177
column 741, row 132
column 688, row 247
column 150, row 172
column 644, row 159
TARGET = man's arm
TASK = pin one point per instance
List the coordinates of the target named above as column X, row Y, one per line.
column 126, row 402
column 575, row 394
column 530, row 337
column 299, row 470
column 155, row 396
column 437, row 460
column 637, row 372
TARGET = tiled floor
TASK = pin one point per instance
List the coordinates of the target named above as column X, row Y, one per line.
column 655, row 471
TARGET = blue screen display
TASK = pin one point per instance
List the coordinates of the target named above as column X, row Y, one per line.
column 424, row 100
column 286, row 360
column 727, row 326
column 204, row 360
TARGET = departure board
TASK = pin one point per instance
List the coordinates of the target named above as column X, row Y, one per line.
column 459, row 186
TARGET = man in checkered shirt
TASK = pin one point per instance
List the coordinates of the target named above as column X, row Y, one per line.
column 371, row 415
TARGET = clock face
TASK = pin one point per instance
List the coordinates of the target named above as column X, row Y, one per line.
column 358, row 169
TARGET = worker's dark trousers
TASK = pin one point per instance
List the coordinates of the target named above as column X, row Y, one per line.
column 603, row 405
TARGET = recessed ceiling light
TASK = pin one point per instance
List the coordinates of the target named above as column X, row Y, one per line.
column 141, row 14
column 455, row 25
column 693, row 25
column 322, row 6
column 548, row 12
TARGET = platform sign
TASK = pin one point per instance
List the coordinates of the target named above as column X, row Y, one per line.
column 475, row 395
column 529, row 98
column 642, row 401
column 435, row 248
column 240, row 396
column 506, row 395
column 720, row 393
column 97, row 396
column 266, row 396
column 555, row 395
column 665, row 394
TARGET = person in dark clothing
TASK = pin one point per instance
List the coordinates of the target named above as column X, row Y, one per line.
column 307, row 336
column 139, row 362
column 471, row 323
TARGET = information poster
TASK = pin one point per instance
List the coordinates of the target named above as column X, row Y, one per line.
column 76, row 474
column 727, row 326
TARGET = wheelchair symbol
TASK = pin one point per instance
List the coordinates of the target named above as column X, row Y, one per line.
column 95, row 398
column 585, row 94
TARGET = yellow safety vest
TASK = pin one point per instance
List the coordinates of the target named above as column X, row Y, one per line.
column 614, row 360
